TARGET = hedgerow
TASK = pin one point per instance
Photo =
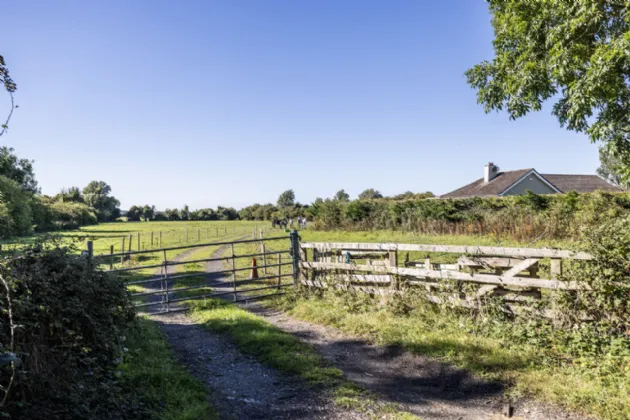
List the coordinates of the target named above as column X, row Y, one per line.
column 519, row 218
column 62, row 326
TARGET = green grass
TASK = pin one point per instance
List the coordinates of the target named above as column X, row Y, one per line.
column 150, row 371
column 455, row 340
column 281, row 350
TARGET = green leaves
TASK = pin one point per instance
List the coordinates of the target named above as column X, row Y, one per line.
column 577, row 52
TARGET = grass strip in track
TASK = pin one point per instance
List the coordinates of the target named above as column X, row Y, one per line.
column 281, row 350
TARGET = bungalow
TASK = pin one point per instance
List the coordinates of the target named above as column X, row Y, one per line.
column 495, row 183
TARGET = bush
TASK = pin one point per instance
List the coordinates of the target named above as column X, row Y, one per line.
column 520, row 218
column 15, row 210
column 68, row 323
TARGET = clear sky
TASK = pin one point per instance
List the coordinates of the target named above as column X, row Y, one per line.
column 231, row 102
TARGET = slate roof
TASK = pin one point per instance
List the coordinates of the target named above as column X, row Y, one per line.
column 504, row 180
column 581, row 183
column 496, row 186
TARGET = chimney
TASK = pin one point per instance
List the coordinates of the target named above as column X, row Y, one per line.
column 490, row 171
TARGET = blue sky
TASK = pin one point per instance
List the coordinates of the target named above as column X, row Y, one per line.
column 212, row 103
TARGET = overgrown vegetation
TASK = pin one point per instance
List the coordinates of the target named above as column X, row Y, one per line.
column 519, row 218
column 578, row 358
column 61, row 335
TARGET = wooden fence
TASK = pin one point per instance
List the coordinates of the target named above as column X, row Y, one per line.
column 509, row 273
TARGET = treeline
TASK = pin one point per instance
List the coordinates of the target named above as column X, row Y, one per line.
column 148, row 213
column 525, row 217
column 24, row 210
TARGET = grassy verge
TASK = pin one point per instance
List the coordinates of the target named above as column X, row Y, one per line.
column 283, row 351
column 456, row 340
column 168, row 389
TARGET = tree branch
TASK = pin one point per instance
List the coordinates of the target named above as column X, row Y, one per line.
column 5, row 126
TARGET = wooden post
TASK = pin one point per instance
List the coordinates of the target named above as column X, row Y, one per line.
column 138, row 241
column 264, row 257
column 122, row 249
column 130, row 241
column 556, row 268
column 233, row 271
column 260, row 234
column 393, row 262
column 151, row 239
column 165, row 281
column 90, row 252
column 254, row 233
column 111, row 259
column 427, row 263
column 224, row 230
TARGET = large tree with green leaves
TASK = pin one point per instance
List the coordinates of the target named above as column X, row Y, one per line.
column 370, row 194
column 342, row 195
column 19, row 170
column 286, row 199
column 97, row 194
column 576, row 53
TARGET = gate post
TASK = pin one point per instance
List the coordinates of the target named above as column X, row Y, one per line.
column 295, row 256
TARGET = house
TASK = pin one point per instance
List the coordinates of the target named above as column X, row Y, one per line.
column 496, row 183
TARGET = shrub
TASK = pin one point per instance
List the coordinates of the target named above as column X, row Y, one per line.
column 15, row 211
column 68, row 321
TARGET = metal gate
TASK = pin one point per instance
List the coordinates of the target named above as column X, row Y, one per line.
column 162, row 280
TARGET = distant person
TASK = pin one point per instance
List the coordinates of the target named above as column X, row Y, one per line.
column 303, row 222
column 291, row 223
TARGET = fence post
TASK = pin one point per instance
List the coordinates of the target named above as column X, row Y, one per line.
column 111, row 259
column 264, row 257
column 393, row 262
column 138, row 241
column 151, row 239
column 295, row 256
column 122, row 250
column 233, row 271
column 90, row 252
column 130, row 241
column 165, row 282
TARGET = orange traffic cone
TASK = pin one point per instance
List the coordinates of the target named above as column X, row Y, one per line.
column 254, row 273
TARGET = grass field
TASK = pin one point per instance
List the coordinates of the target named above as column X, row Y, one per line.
column 450, row 338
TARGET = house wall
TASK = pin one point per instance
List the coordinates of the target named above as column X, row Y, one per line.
column 533, row 183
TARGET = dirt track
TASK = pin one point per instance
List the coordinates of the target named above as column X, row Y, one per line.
column 245, row 389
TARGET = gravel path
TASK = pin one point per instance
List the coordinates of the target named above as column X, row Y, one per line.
column 242, row 388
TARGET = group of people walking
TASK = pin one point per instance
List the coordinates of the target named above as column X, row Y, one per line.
column 290, row 223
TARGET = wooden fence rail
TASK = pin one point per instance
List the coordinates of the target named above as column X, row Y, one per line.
column 511, row 274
